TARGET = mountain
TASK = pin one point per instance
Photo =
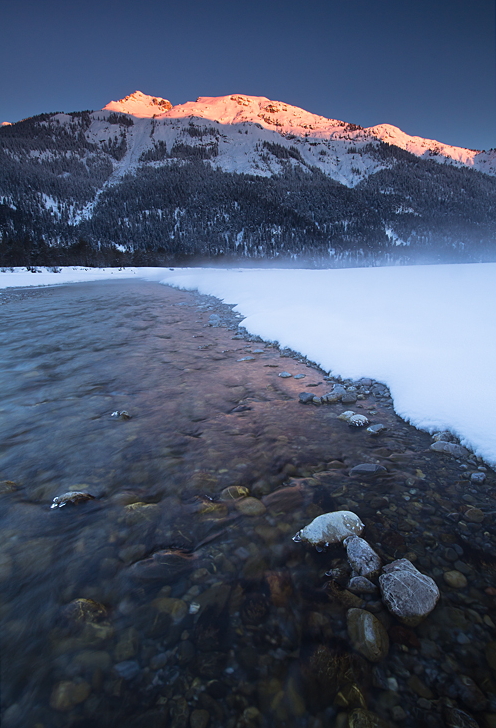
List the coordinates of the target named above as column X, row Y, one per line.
column 143, row 180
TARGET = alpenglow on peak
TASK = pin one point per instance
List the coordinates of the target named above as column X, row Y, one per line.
column 140, row 105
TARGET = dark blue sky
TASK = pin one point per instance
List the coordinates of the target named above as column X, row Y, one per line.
column 427, row 66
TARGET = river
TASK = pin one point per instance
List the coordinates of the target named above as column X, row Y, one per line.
column 166, row 599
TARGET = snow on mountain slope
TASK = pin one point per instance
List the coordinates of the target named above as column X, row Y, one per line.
column 292, row 122
column 432, row 149
column 140, row 105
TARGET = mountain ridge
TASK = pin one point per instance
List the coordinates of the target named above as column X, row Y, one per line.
column 240, row 176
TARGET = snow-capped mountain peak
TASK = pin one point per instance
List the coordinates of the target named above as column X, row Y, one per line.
column 140, row 105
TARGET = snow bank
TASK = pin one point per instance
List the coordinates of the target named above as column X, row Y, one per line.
column 20, row 277
column 428, row 332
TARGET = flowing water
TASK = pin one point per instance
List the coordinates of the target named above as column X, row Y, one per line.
column 166, row 600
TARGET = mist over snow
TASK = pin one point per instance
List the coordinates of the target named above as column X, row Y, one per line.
column 425, row 331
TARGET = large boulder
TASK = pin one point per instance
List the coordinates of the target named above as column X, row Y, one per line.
column 407, row 593
column 330, row 528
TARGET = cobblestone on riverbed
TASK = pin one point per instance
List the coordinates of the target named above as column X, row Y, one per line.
column 218, row 467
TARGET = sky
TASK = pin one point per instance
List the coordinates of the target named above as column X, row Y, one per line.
column 426, row 66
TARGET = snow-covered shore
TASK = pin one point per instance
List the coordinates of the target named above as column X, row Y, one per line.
column 428, row 332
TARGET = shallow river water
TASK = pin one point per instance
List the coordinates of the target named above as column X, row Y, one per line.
column 167, row 601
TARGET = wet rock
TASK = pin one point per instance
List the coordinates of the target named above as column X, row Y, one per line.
column 407, row 593
column 367, row 635
column 233, row 492
column 185, row 652
column 455, row 579
column 72, row 498
column 362, row 557
column 344, row 597
column 420, row 688
column 280, row 587
column 455, row 718
column 335, row 394
column 474, row 515
column 376, row 429
column 305, row 397
column 361, row 585
column 66, row 695
column 349, row 398
column 84, row 611
column 470, row 693
column 250, row 506
column 127, row 645
column 450, row 448
column 120, row 415
column 478, row 478
column 176, row 609
column 330, row 528
column 136, row 513
column 285, row 375
column 209, row 664
column 368, row 470
column 199, row 719
column 179, row 710
column 128, row 669
column 285, row 500
column 247, row 358
column 444, row 436
column 167, row 566
column 254, row 609
column 346, row 416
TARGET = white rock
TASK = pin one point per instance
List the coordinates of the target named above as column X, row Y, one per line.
column 330, row 528
column 362, row 558
column 407, row 593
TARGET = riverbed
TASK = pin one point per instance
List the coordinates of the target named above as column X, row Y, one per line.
column 154, row 402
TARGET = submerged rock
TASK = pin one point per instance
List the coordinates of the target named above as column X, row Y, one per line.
column 376, row 429
column 330, row 528
column 362, row 557
column 450, row 448
column 407, row 593
column 167, row 565
column 361, row 585
column 367, row 634
column 76, row 496
column 120, row 415
column 368, row 470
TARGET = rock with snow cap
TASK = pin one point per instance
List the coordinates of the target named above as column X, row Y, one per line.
column 407, row 593
column 362, row 558
column 358, row 421
column 330, row 528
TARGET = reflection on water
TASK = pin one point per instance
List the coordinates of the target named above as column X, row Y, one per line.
column 177, row 597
